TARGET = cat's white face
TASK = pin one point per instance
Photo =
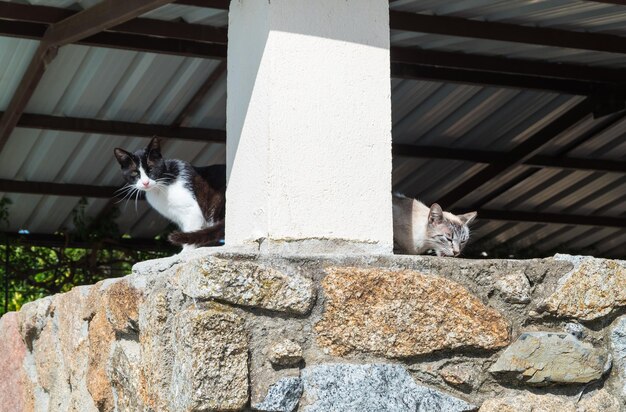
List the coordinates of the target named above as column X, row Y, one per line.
column 143, row 170
column 144, row 182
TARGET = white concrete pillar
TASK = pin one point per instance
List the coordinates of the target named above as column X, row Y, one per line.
column 309, row 126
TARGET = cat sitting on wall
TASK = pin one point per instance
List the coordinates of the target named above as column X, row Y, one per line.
column 192, row 197
column 418, row 228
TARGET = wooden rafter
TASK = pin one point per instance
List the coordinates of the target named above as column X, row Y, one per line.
column 521, row 153
column 103, row 15
column 211, row 4
column 194, row 104
column 490, row 157
column 543, row 36
column 187, row 48
column 143, row 26
column 602, row 126
column 100, row 17
column 557, row 218
column 57, row 189
column 618, row 2
column 494, row 64
column 123, row 41
column 483, row 78
column 112, row 127
column 191, row 40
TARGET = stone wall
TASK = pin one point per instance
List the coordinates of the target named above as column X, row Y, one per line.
column 220, row 331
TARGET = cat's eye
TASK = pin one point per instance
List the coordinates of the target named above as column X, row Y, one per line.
column 133, row 174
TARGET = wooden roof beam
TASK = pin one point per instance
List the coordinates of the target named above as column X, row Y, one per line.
column 100, row 17
column 485, row 78
column 144, row 26
column 118, row 128
column 57, row 189
column 542, row 36
column 406, row 63
column 490, row 157
column 524, row 151
column 103, row 15
column 211, row 4
column 602, row 126
column 554, row 218
column 494, row 64
column 196, row 101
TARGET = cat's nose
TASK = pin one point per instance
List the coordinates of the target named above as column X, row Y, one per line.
column 146, row 183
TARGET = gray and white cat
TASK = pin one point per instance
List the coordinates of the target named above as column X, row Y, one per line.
column 418, row 228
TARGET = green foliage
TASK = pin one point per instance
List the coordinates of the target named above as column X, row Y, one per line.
column 38, row 271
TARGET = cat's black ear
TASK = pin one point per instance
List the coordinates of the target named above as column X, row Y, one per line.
column 435, row 216
column 154, row 148
column 123, row 157
column 468, row 218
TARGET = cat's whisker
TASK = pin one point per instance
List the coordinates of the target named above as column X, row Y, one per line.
column 124, row 188
column 129, row 193
column 136, row 201
column 125, row 193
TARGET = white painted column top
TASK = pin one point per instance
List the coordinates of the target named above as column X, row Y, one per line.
column 309, row 125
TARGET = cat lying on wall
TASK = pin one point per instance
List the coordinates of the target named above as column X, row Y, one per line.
column 192, row 197
column 418, row 228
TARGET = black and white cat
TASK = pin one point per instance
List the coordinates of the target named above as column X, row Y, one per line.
column 418, row 228
column 192, row 197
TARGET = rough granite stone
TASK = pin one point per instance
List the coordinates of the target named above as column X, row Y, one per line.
column 371, row 388
column 528, row 402
column 52, row 371
column 285, row 353
column 13, row 385
column 575, row 329
column 263, row 375
column 283, row 396
column 246, row 283
column 122, row 301
column 72, row 331
column 514, row 287
column 601, row 401
column 111, row 308
column 155, row 323
column 101, row 337
column 402, row 313
column 542, row 358
column 593, row 289
column 211, row 346
column 125, row 374
column 33, row 317
column 618, row 346
column 462, row 376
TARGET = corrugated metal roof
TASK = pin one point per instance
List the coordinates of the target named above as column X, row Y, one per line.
column 573, row 15
column 189, row 14
column 582, row 16
column 110, row 84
